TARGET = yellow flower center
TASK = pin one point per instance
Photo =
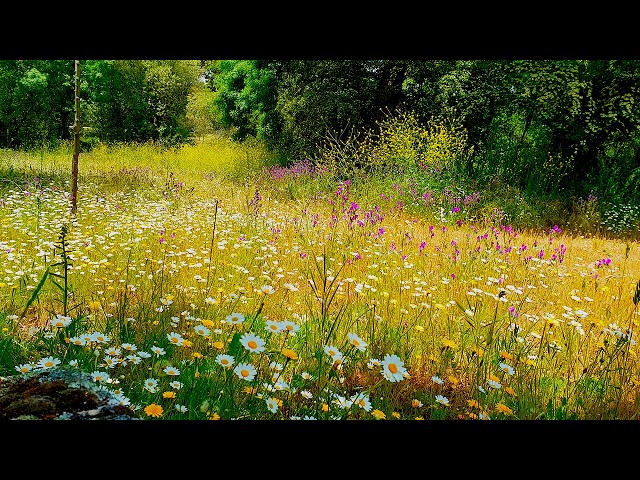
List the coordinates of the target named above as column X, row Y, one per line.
column 252, row 344
column 244, row 373
column 393, row 368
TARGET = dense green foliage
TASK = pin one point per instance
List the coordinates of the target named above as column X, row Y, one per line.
column 121, row 101
column 562, row 130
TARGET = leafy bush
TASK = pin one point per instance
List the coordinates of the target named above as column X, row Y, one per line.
column 400, row 144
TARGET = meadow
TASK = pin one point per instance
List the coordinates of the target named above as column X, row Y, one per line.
column 209, row 282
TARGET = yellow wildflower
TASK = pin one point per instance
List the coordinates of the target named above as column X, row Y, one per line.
column 378, row 415
column 94, row 305
column 446, row 343
column 478, row 351
column 502, row 408
column 506, row 355
column 153, row 410
column 290, row 354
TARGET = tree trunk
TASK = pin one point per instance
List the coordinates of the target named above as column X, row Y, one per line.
column 76, row 142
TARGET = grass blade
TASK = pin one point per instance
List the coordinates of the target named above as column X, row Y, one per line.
column 35, row 292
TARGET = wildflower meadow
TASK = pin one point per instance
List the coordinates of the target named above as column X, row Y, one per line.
column 208, row 282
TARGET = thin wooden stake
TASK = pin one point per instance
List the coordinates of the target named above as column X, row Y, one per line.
column 76, row 142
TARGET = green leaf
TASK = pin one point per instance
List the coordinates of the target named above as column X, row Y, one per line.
column 35, row 293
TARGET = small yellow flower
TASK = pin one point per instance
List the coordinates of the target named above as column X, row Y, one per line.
column 415, row 403
column 197, row 355
column 218, row 345
column 510, row 391
column 494, row 378
column 454, row 380
column 94, row 305
column 446, row 343
column 419, row 418
column 187, row 343
column 250, row 390
column 502, row 408
column 478, row 351
column 153, row 410
column 473, row 403
column 290, row 354
column 506, row 355
column 214, row 416
column 396, row 415
column 168, row 394
column 208, row 323
column 378, row 415
column 325, row 407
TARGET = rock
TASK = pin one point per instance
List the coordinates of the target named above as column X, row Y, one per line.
column 58, row 394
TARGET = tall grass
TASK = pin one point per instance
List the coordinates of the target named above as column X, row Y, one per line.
column 204, row 283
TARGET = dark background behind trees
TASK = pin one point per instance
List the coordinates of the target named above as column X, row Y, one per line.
column 557, row 128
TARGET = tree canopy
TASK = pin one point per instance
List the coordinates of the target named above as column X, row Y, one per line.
column 546, row 126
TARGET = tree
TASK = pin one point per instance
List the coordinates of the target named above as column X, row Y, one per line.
column 35, row 102
column 245, row 98
column 140, row 100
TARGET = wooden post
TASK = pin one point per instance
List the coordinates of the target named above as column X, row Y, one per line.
column 76, row 142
